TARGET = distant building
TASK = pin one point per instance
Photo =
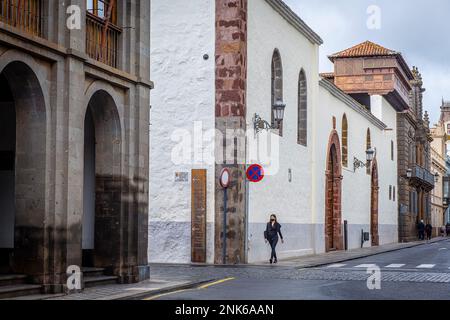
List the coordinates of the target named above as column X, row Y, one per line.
column 439, row 170
column 444, row 125
column 368, row 70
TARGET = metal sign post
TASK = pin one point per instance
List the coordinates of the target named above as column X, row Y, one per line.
column 224, row 254
column 225, row 179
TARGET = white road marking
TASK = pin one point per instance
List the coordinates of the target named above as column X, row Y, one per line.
column 337, row 265
column 366, row 266
column 426, row 266
column 442, row 249
column 395, row 265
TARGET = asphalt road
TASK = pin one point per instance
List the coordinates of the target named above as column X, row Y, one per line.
column 421, row 272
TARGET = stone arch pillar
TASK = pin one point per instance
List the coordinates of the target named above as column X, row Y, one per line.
column 333, row 195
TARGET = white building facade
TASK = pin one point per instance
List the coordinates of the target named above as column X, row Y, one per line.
column 196, row 96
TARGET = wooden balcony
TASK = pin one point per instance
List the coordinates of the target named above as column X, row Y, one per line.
column 102, row 40
column 25, row 15
column 423, row 178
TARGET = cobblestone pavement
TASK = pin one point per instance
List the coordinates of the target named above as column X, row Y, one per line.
column 429, row 262
column 419, row 273
column 296, row 274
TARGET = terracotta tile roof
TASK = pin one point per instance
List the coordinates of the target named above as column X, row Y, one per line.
column 365, row 49
column 370, row 49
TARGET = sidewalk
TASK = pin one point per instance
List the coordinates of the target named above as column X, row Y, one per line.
column 126, row 291
column 318, row 260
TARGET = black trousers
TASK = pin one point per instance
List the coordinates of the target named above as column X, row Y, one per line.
column 421, row 235
column 273, row 244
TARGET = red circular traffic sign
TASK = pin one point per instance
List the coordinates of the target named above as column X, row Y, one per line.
column 225, row 178
column 255, row 173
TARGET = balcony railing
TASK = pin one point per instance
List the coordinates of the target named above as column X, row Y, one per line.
column 102, row 45
column 25, row 15
column 423, row 177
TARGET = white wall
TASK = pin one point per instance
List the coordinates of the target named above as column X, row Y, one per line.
column 356, row 186
column 184, row 94
column 291, row 201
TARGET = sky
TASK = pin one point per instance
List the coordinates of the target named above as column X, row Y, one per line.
column 419, row 29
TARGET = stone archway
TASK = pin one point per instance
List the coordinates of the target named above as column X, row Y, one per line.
column 22, row 172
column 374, row 205
column 333, row 194
column 102, row 234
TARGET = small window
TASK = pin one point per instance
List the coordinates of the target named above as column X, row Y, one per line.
column 368, row 146
column 101, row 8
column 390, row 192
column 302, row 130
column 277, row 85
column 344, row 141
column 392, row 150
column 393, row 194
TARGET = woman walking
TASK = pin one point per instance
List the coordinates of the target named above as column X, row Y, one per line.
column 273, row 229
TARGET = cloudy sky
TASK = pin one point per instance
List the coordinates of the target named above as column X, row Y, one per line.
column 419, row 29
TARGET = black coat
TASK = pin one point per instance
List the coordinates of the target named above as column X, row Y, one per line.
column 272, row 231
column 421, row 227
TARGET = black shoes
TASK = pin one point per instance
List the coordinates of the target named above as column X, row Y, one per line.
column 270, row 261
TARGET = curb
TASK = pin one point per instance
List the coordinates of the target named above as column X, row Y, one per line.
column 343, row 259
column 148, row 294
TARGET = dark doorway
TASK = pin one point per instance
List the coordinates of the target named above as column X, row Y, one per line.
column 333, row 185
column 101, row 235
column 374, row 205
column 7, row 174
column 22, row 172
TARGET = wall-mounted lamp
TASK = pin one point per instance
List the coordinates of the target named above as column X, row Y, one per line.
column 408, row 174
column 436, row 177
column 370, row 155
column 278, row 115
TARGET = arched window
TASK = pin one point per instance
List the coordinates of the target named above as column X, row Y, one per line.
column 302, row 130
column 368, row 146
column 344, row 141
column 277, row 85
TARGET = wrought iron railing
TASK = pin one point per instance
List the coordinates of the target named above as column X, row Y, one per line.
column 102, row 44
column 422, row 174
column 25, row 15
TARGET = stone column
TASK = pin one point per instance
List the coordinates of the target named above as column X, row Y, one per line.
column 231, row 76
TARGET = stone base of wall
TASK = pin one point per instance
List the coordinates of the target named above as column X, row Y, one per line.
column 170, row 242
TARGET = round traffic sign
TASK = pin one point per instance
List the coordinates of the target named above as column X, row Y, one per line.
column 255, row 173
column 225, row 178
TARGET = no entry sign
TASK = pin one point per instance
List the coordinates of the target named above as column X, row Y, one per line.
column 225, row 178
column 255, row 173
